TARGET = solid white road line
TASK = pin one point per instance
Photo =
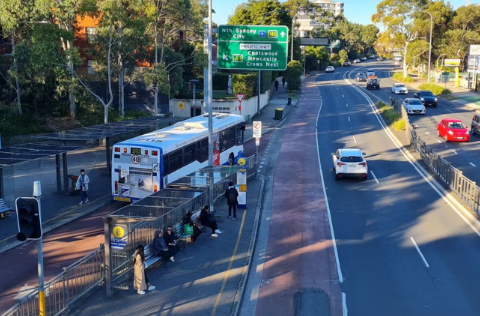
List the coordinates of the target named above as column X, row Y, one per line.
column 439, row 141
column 346, row 104
column 349, row 118
column 344, row 304
column 448, row 110
column 419, row 252
column 354, row 139
column 334, row 242
column 427, row 133
column 472, row 164
column 461, row 211
column 373, row 174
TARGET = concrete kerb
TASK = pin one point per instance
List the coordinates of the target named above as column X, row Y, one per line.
column 92, row 207
column 253, row 240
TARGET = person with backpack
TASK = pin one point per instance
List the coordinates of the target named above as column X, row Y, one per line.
column 82, row 185
column 231, row 194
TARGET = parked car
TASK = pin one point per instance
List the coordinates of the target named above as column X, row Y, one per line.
column 398, row 64
column 329, row 69
column 356, row 61
column 453, row 130
column 475, row 127
column 347, row 64
column 372, row 56
column 360, row 77
column 413, row 106
column 399, row 88
column 427, row 98
column 370, row 72
column 379, row 59
column 398, row 58
column 349, row 163
column 364, row 58
column 373, row 83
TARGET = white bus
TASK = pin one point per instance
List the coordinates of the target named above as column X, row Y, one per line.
column 145, row 164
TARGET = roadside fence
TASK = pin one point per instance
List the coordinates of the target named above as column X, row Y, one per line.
column 85, row 275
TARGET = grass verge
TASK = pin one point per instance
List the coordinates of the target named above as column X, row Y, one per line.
column 393, row 118
column 399, row 76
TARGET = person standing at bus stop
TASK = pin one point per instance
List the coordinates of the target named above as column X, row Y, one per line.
column 82, row 185
column 231, row 194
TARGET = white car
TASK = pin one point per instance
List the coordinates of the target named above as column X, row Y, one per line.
column 364, row 58
column 349, row 163
column 370, row 72
column 330, row 69
column 399, row 88
column 397, row 58
column 414, row 106
column 356, row 61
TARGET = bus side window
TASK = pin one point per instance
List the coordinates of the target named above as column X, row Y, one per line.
column 231, row 137
column 189, row 156
column 176, row 160
column 166, row 165
column 204, row 150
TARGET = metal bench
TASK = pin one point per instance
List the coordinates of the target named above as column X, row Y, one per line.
column 3, row 208
column 150, row 256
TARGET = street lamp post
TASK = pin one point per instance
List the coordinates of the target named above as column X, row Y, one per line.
column 430, row 46
column 209, row 104
column 436, row 68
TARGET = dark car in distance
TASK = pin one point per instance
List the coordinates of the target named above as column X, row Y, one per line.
column 373, row 84
column 427, row 98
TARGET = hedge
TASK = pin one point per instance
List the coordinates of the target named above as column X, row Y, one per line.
column 220, row 81
column 245, row 84
column 293, row 75
column 399, row 76
column 435, row 88
column 392, row 116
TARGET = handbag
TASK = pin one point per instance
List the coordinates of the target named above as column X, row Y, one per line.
column 187, row 230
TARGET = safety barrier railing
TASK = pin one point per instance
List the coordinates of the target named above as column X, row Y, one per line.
column 74, row 282
column 78, row 279
column 464, row 188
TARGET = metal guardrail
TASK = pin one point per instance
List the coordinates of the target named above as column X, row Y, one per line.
column 73, row 283
column 80, row 278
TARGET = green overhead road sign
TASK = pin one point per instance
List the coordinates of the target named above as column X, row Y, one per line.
column 251, row 47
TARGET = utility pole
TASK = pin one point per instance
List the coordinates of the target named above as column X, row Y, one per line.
column 209, row 100
column 37, row 193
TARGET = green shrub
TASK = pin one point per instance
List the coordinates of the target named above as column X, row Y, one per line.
column 293, row 75
column 435, row 88
column 399, row 76
column 245, row 84
column 12, row 124
column 393, row 118
column 266, row 81
column 220, row 81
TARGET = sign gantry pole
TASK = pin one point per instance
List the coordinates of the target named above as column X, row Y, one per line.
column 210, row 107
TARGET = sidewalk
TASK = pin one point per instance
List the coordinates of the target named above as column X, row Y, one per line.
column 203, row 280
column 279, row 99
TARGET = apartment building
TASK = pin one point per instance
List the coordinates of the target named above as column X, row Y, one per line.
column 305, row 21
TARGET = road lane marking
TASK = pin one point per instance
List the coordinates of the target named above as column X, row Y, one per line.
column 454, row 151
column 349, row 118
column 419, row 252
column 232, row 259
column 439, row 141
column 472, row 164
column 448, row 110
column 346, row 104
column 373, row 174
column 427, row 133
column 334, row 242
column 343, row 95
column 354, row 139
column 344, row 304
column 437, row 187
column 338, row 89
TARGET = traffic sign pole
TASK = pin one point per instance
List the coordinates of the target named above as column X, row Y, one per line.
column 37, row 193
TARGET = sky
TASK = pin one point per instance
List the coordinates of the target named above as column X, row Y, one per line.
column 357, row 11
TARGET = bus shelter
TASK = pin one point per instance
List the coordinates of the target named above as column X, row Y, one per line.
column 136, row 223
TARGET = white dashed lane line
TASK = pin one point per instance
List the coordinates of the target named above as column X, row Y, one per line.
column 427, row 133
column 354, row 139
column 439, row 141
column 374, row 177
column 472, row 164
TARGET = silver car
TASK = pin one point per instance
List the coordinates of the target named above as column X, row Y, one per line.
column 414, row 106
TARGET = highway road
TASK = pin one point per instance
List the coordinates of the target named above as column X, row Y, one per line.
column 463, row 156
column 402, row 250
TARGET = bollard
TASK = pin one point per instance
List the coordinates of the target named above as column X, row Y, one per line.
column 289, row 101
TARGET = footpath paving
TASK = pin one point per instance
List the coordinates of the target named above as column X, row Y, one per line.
column 294, row 270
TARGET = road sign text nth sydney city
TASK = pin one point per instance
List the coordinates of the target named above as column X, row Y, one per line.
column 250, row 47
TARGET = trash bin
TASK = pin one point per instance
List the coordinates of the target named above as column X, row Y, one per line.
column 278, row 113
column 73, row 182
column 289, row 101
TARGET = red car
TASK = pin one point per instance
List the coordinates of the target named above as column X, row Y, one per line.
column 453, row 130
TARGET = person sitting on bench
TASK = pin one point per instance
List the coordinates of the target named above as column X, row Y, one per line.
column 161, row 247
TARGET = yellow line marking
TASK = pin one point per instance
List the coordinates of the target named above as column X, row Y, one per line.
column 225, row 279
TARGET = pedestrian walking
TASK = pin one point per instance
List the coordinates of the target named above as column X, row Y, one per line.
column 207, row 219
column 82, row 185
column 171, row 240
column 161, row 247
column 231, row 194
column 283, row 81
column 140, row 281
column 276, row 85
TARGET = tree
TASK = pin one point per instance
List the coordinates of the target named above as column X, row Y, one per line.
column 315, row 57
column 369, row 35
column 293, row 75
column 343, row 56
column 396, row 17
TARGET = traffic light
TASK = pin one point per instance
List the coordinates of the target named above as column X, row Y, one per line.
column 29, row 218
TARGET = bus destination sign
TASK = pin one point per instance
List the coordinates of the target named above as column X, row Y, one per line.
column 248, row 47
